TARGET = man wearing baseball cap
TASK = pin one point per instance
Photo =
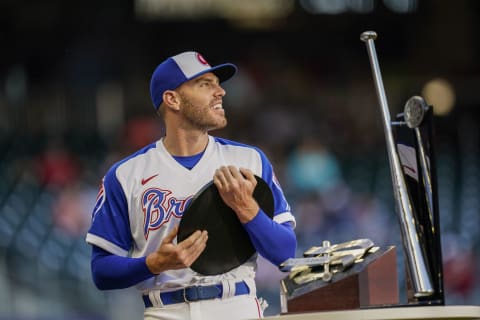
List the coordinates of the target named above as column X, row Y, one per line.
column 143, row 197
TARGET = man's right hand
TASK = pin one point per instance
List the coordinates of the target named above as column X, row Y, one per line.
column 177, row 256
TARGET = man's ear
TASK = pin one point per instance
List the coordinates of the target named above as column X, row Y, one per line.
column 171, row 100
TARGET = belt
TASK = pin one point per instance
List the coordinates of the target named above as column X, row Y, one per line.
column 195, row 293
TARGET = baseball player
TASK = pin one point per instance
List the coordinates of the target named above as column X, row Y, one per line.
column 142, row 199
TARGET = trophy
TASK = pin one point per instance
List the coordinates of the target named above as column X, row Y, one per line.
column 358, row 274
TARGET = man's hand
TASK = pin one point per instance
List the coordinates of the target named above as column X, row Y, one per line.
column 177, row 256
column 236, row 188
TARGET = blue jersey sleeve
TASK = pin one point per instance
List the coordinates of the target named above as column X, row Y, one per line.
column 282, row 210
column 110, row 228
column 274, row 239
column 114, row 272
column 275, row 242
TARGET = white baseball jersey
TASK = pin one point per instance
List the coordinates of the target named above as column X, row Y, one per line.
column 143, row 197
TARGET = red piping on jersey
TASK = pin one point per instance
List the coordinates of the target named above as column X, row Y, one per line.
column 258, row 308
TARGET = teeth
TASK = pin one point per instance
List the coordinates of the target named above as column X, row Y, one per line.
column 217, row 106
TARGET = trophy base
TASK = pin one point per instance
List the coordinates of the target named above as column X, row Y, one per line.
column 371, row 282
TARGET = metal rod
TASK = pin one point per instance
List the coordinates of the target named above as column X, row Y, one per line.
column 422, row 284
column 427, row 182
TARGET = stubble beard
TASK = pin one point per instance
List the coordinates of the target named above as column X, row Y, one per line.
column 200, row 117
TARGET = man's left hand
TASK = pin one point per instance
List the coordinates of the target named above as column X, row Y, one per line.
column 236, row 188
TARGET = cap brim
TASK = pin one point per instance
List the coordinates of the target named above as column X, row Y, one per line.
column 222, row 71
column 228, row 245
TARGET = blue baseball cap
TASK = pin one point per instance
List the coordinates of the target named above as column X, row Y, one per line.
column 174, row 71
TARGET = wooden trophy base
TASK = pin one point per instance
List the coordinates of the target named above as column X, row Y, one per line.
column 368, row 283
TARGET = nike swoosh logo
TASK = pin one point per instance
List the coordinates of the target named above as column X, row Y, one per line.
column 144, row 181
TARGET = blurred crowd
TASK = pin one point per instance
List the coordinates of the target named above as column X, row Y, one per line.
column 327, row 148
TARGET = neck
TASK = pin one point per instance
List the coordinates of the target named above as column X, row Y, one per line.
column 185, row 144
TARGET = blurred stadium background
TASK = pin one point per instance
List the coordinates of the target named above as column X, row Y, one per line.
column 74, row 98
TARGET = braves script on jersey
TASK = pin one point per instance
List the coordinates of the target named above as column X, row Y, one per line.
column 143, row 197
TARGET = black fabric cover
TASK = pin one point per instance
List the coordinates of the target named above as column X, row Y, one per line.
column 228, row 244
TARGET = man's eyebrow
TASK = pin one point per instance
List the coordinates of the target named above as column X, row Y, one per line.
column 207, row 79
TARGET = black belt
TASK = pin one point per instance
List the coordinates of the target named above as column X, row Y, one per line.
column 190, row 294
